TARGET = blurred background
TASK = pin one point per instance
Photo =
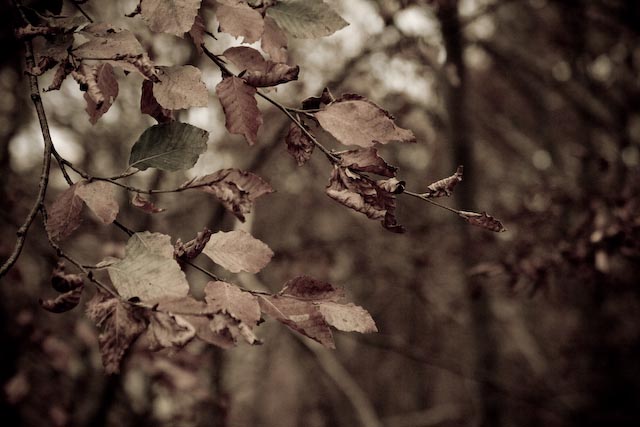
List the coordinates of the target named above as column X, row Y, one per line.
column 538, row 99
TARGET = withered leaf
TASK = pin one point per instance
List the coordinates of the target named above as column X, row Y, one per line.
column 148, row 270
column 299, row 145
column 228, row 298
column 315, row 102
column 366, row 160
column 64, row 69
column 169, row 330
column 64, row 214
column 240, row 20
column 444, row 187
column 308, row 288
column 226, row 325
column 63, row 302
column 193, row 248
column 391, row 185
column 237, row 190
column 238, row 251
column 274, row 41
column 258, row 71
column 149, row 104
column 170, row 16
column 145, row 204
column 306, row 19
column 483, row 220
column 242, row 116
column 62, row 282
column 197, row 32
column 180, row 87
column 102, row 91
column 354, row 120
column 119, row 324
column 347, row 317
column 100, row 198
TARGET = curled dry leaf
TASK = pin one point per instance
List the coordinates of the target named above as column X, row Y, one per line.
column 354, row 120
column 145, row 204
column 258, row 71
column 64, row 69
column 63, row 302
column 62, row 282
column 483, row 220
column 366, row 160
column 193, row 248
column 299, row 145
column 444, row 187
column 237, row 190
column 106, row 86
column 391, row 185
column 168, row 330
column 180, row 87
column 119, row 324
column 149, row 104
column 240, row 20
column 238, row 251
column 274, row 41
column 242, row 116
column 170, row 16
column 315, row 102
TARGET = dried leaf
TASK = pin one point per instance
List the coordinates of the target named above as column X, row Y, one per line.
column 366, row 160
column 308, row 288
column 197, row 33
column 240, row 20
column 274, row 41
column 62, row 282
column 99, row 197
column 354, row 120
column 107, row 86
column 237, row 190
column 169, row 330
column 444, row 187
column 149, row 104
column 64, row 302
column 240, row 108
column 64, row 214
column 483, row 220
column 119, row 324
column 227, row 298
column 299, row 145
column 391, row 185
column 347, row 317
column 193, row 248
column 170, row 16
column 180, row 87
column 258, row 71
column 148, row 270
column 238, row 251
column 64, row 69
column 306, row 19
column 169, row 146
column 315, row 102
column 145, row 204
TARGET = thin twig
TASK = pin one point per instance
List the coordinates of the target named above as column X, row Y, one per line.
column 77, row 6
column 433, row 202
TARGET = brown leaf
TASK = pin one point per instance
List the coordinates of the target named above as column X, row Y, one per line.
column 240, row 108
column 197, row 33
column 299, row 145
column 107, row 86
column 238, row 251
column 64, row 302
column 347, row 317
column 363, row 196
column 169, row 330
column 258, row 71
column 240, row 20
column 314, row 102
column 170, row 16
column 391, row 185
column 237, row 190
column 274, row 41
column 227, row 298
column 226, row 325
column 180, row 87
column 354, row 120
column 64, row 214
column 120, row 324
column 193, row 248
column 145, row 204
column 444, row 187
column 483, row 220
column 308, row 288
column 62, row 282
column 366, row 160
column 64, row 69
column 149, row 105
column 99, row 197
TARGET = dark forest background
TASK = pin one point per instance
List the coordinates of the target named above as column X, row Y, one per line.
column 537, row 326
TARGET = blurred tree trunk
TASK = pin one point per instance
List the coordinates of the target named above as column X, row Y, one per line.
column 455, row 97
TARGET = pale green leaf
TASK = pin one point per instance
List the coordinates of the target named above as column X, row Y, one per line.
column 306, row 19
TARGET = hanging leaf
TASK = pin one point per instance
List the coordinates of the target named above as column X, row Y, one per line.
column 169, row 330
column 237, row 190
column 366, row 160
column 299, row 145
column 391, row 185
column 306, row 19
column 258, row 71
column 169, row 146
column 315, row 102
column 119, row 323
column 444, row 187
column 354, row 120
column 228, row 298
column 308, row 288
column 242, row 116
column 180, row 87
column 65, row 302
column 483, row 220
column 145, row 204
column 193, row 248
column 238, row 251
column 197, row 33
column 99, row 197
column 107, row 87
column 240, row 20
column 148, row 270
column 170, row 16
column 64, row 215
column 149, row 104
column 62, row 282
column 274, row 41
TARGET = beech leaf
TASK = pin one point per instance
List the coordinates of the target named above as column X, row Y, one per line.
column 180, row 87
column 347, row 317
column 483, row 220
column 228, row 298
column 169, row 146
column 354, row 120
column 238, row 251
column 149, row 104
column 366, row 160
column 170, row 16
column 299, row 145
column 119, row 324
column 274, row 41
column 100, row 198
column 258, row 71
column 444, row 187
column 65, row 213
column 107, row 86
column 148, row 270
column 240, row 20
column 306, row 19
column 308, row 288
column 169, row 330
column 145, row 204
column 242, row 116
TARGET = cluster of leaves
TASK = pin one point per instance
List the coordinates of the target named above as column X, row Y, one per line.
column 150, row 294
